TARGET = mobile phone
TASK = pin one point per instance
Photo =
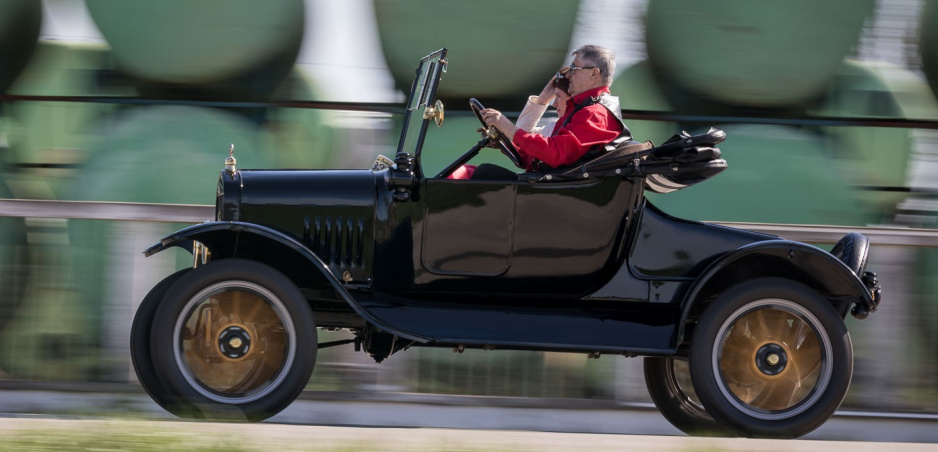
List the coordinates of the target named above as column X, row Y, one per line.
column 561, row 81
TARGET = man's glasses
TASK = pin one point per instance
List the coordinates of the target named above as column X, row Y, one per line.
column 574, row 68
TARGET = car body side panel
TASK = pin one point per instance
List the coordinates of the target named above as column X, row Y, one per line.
column 396, row 259
column 571, row 230
column 667, row 255
column 472, row 237
column 665, row 247
column 497, row 298
column 467, row 231
column 329, row 212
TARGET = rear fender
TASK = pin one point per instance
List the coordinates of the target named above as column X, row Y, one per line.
column 797, row 261
column 230, row 239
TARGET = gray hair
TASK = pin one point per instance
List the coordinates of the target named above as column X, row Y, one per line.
column 602, row 58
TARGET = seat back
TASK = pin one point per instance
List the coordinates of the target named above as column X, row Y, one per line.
column 619, row 157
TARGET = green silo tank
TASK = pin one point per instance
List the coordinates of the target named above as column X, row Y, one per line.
column 499, row 50
column 219, row 49
column 637, row 89
column 875, row 157
column 57, row 135
column 775, row 174
column 300, row 137
column 757, row 54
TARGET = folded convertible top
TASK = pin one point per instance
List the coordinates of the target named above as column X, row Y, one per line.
column 681, row 161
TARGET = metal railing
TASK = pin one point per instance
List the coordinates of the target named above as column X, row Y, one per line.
column 96, row 210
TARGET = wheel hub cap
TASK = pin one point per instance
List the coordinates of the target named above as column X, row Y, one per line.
column 234, row 342
column 771, row 359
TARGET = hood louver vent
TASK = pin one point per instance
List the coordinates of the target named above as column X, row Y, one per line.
column 337, row 241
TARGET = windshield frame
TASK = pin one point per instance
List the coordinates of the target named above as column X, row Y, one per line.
column 422, row 95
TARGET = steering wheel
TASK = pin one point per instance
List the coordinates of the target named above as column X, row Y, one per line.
column 495, row 136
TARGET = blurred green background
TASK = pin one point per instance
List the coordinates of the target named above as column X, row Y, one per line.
column 165, row 86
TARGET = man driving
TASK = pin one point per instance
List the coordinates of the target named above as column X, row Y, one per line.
column 591, row 119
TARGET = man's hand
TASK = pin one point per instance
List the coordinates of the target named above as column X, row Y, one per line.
column 547, row 94
column 495, row 118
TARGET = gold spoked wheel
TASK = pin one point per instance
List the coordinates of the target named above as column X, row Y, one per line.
column 771, row 356
column 230, row 339
column 233, row 342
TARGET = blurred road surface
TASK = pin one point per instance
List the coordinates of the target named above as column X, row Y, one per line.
column 136, row 435
column 392, row 411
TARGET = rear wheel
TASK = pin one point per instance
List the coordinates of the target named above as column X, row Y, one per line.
column 771, row 358
column 669, row 385
column 233, row 339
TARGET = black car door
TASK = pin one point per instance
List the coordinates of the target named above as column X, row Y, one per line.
column 467, row 227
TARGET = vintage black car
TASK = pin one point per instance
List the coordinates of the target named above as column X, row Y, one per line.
column 743, row 333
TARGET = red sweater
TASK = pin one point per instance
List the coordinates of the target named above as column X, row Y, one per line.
column 588, row 127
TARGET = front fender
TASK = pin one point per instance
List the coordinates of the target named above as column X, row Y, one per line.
column 230, row 239
column 227, row 238
column 797, row 261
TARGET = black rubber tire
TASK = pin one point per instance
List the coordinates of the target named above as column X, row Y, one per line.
column 783, row 402
column 270, row 383
column 668, row 381
column 853, row 250
column 140, row 341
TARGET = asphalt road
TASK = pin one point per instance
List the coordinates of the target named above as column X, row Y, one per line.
column 475, row 418
column 108, row 434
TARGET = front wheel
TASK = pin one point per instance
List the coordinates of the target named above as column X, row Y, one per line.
column 771, row 358
column 233, row 339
